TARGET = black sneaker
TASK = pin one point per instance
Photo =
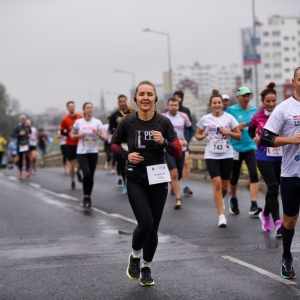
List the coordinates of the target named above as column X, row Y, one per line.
column 73, row 185
column 146, row 278
column 287, row 270
column 254, row 211
column 187, row 191
column 79, row 177
column 120, row 183
column 133, row 269
column 233, row 206
column 86, row 202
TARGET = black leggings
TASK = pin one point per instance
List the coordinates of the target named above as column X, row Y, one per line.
column 121, row 164
column 147, row 203
column 249, row 157
column 107, row 151
column 21, row 158
column 88, row 164
column 63, row 149
column 270, row 171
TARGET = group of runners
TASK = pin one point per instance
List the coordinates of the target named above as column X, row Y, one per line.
column 268, row 139
column 147, row 144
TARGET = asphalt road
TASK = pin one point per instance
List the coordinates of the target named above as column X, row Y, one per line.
column 51, row 248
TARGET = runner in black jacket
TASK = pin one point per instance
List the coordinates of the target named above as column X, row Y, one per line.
column 22, row 132
column 148, row 135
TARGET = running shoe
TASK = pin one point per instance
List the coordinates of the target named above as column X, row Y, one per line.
column 120, row 183
column 86, row 202
column 222, row 221
column 21, row 175
column 146, row 278
column 112, row 171
column 178, row 204
column 287, row 270
column 27, row 174
column 265, row 221
column 106, row 165
column 233, row 206
column 278, row 228
column 254, row 211
column 133, row 269
column 79, row 177
column 73, row 185
column 187, row 191
column 124, row 189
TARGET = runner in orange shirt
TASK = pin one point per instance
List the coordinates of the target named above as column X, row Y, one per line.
column 71, row 144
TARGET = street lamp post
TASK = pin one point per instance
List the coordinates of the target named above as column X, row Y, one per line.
column 169, row 53
column 133, row 78
column 255, row 54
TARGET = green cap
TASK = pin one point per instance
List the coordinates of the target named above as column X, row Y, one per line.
column 243, row 90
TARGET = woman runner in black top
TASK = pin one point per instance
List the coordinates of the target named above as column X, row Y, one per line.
column 147, row 134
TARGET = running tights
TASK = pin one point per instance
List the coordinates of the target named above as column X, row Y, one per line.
column 88, row 163
column 270, row 172
column 121, row 164
column 23, row 156
column 147, row 203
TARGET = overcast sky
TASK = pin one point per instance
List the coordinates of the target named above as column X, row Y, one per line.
column 52, row 51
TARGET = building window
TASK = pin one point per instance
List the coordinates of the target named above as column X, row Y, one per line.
column 276, row 33
column 286, row 49
column 277, row 76
column 267, row 76
column 277, row 65
column 287, row 70
column 286, row 59
column 266, row 55
column 266, row 44
column 293, row 38
column 294, row 49
column 286, row 38
column 276, row 55
column 267, row 66
column 294, row 59
column 287, row 80
column 276, row 44
column 266, row 33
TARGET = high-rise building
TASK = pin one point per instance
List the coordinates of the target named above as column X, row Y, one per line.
column 277, row 53
column 197, row 81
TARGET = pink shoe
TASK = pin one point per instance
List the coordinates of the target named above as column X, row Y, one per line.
column 278, row 228
column 266, row 226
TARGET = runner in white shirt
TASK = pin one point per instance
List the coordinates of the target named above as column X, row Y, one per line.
column 87, row 130
column 180, row 122
column 33, row 139
column 106, row 145
column 283, row 129
column 218, row 128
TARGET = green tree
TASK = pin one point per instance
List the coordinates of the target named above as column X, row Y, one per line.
column 9, row 109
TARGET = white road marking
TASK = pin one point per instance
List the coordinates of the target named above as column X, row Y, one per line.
column 34, row 185
column 13, row 178
column 65, row 196
column 124, row 218
column 100, row 211
column 259, row 270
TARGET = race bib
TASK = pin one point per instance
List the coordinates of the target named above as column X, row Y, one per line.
column 218, row 146
column 23, row 148
column 158, row 174
column 274, row 151
column 89, row 142
column 236, row 155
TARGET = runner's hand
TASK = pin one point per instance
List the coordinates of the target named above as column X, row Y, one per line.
column 135, row 158
column 157, row 137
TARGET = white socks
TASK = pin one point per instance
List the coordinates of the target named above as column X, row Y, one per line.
column 136, row 254
column 146, row 264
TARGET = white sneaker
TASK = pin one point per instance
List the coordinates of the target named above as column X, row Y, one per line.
column 106, row 165
column 222, row 221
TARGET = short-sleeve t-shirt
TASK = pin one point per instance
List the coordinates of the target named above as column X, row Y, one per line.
column 180, row 121
column 242, row 115
column 66, row 126
column 138, row 136
column 33, row 137
column 285, row 121
column 88, row 144
column 210, row 124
